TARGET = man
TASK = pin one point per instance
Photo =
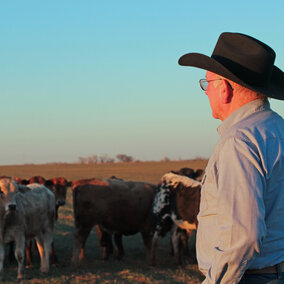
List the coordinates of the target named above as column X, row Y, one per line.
column 240, row 236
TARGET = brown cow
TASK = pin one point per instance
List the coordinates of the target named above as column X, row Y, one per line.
column 26, row 213
column 104, row 237
column 122, row 207
column 57, row 185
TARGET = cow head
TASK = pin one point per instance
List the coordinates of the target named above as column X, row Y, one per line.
column 37, row 179
column 21, row 181
column 59, row 187
column 8, row 191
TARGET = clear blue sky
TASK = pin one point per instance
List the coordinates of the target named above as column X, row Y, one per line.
column 79, row 78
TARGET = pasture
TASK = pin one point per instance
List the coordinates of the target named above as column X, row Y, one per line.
column 133, row 268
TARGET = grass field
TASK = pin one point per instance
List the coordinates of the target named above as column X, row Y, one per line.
column 133, row 267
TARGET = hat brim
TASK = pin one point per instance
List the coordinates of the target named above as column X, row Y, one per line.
column 274, row 90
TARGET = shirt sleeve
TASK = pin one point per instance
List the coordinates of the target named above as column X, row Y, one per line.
column 240, row 211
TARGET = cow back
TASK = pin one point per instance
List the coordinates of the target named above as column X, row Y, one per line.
column 116, row 205
column 38, row 208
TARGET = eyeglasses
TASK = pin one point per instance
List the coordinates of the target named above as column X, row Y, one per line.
column 204, row 83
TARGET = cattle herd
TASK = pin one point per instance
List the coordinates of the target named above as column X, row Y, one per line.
column 115, row 207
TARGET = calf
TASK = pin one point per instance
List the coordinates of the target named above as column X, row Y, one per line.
column 26, row 213
column 104, row 237
column 121, row 207
column 176, row 204
column 59, row 187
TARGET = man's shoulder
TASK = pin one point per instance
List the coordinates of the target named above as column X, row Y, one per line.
column 257, row 128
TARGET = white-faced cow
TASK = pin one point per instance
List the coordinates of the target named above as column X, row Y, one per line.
column 176, row 205
column 26, row 213
column 122, row 207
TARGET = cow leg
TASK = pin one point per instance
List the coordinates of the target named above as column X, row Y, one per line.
column 119, row 250
column 80, row 237
column 2, row 253
column 56, row 211
column 28, row 250
column 191, row 235
column 39, row 243
column 52, row 256
column 105, row 240
column 20, row 256
column 154, row 248
column 184, row 242
column 147, row 239
column 176, row 244
column 11, row 256
column 42, row 244
column 47, row 241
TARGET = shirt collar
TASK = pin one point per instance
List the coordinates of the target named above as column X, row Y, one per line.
column 241, row 113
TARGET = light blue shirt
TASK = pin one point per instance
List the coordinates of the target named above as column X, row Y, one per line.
column 241, row 218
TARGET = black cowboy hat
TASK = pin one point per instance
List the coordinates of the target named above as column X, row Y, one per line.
column 244, row 60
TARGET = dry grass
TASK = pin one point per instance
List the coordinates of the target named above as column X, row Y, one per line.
column 133, row 268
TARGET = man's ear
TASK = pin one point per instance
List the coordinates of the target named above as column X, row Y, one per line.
column 226, row 92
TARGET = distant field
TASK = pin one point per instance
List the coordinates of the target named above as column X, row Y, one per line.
column 133, row 268
column 142, row 171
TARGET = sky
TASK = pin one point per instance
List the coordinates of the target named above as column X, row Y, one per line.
column 96, row 77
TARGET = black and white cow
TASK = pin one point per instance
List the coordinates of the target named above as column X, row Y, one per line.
column 175, row 206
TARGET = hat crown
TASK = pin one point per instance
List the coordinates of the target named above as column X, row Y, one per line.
column 244, row 60
column 246, row 57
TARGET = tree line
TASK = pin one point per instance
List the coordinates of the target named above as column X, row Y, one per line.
column 105, row 158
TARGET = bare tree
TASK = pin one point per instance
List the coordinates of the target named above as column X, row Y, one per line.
column 165, row 159
column 105, row 158
column 82, row 160
column 92, row 159
column 124, row 158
